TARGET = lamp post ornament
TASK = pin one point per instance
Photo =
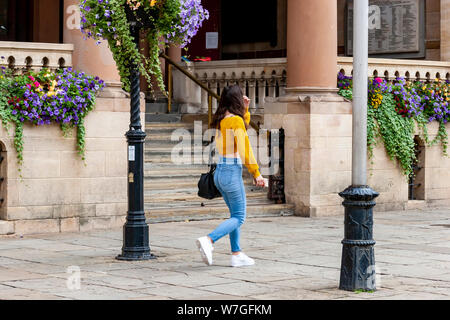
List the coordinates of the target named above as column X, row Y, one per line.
column 121, row 23
column 358, row 258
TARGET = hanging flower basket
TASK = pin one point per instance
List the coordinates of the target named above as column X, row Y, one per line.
column 163, row 22
column 140, row 17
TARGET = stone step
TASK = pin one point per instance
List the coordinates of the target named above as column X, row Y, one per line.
column 193, row 189
column 151, row 143
column 174, row 173
column 191, row 198
column 156, row 135
column 153, row 107
column 162, row 117
column 169, row 185
column 218, row 202
column 6, row 227
column 174, row 166
column 164, row 158
column 163, row 125
column 179, row 183
column 177, row 177
column 156, row 215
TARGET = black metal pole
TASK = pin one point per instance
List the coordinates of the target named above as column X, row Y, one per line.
column 135, row 231
column 358, row 258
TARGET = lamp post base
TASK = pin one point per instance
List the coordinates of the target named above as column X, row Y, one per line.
column 132, row 256
column 358, row 258
column 135, row 247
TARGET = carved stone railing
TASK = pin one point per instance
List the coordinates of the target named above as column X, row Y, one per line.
column 265, row 79
column 260, row 79
column 390, row 69
column 21, row 56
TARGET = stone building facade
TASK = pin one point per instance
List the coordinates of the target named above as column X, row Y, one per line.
column 296, row 81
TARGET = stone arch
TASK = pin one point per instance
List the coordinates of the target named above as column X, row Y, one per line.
column 418, row 76
column 61, row 63
column 28, row 62
column 45, row 62
column 11, row 62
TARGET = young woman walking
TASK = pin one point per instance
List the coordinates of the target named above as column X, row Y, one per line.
column 231, row 121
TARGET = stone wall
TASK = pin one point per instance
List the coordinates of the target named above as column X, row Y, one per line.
column 56, row 191
column 318, row 159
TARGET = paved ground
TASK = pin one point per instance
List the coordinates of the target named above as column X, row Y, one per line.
column 296, row 258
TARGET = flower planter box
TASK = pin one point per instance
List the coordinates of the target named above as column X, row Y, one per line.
column 56, row 191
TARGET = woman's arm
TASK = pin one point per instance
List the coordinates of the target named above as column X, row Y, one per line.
column 244, row 148
column 247, row 113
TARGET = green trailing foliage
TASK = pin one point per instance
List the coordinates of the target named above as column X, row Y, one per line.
column 64, row 97
column 393, row 111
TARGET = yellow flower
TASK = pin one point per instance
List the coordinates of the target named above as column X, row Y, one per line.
column 152, row 3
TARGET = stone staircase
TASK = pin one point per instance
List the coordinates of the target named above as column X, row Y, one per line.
column 170, row 189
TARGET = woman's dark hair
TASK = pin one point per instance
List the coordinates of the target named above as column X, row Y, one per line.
column 231, row 100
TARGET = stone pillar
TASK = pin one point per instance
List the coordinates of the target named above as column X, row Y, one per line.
column 445, row 30
column 87, row 56
column 311, row 44
column 96, row 60
column 175, row 53
column 317, row 121
column 186, row 94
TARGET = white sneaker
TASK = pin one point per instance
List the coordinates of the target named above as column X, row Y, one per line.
column 206, row 249
column 241, row 260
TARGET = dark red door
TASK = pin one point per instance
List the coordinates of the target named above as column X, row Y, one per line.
column 210, row 29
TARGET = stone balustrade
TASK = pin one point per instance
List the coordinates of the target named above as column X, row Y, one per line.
column 260, row 79
column 390, row 69
column 264, row 79
column 22, row 56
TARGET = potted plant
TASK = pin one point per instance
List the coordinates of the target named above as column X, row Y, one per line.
column 160, row 21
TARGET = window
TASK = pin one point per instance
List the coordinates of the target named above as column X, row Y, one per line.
column 249, row 21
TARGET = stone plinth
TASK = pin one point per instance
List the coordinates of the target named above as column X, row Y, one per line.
column 186, row 93
column 318, row 145
column 318, row 155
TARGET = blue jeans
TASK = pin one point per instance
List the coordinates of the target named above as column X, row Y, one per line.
column 228, row 179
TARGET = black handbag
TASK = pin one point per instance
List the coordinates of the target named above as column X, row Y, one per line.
column 206, row 187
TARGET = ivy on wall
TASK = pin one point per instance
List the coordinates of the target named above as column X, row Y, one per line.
column 41, row 98
column 395, row 108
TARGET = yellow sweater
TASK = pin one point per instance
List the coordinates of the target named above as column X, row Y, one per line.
column 233, row 138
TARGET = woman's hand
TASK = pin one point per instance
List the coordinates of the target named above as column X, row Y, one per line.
column 246, row 102
column 259, row 181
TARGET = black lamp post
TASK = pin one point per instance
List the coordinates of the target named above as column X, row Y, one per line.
column 135, row 231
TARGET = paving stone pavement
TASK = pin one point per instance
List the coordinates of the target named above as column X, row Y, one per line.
column 296, row 258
